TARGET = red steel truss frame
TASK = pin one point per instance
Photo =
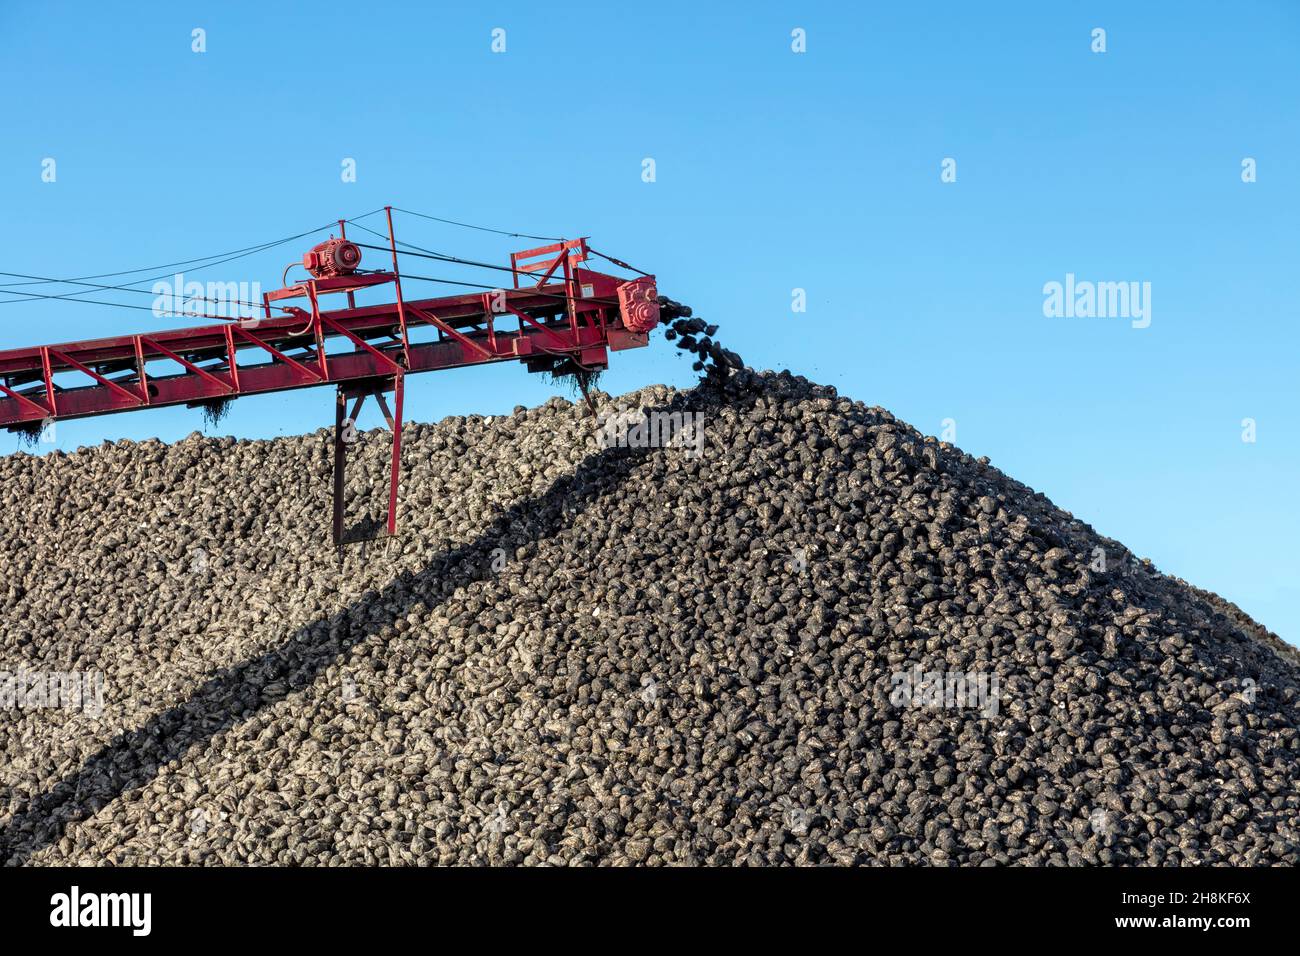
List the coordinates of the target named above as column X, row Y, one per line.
column 571, row 319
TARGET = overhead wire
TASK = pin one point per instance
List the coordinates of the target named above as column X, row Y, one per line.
column 113, row 288
column 149, row 308
column 223, row 256
column 206, row 262
column 467, row 225
column 128, row 286
column 618, row 262
column 457, row 260
column 218, row 259
column 420, row 252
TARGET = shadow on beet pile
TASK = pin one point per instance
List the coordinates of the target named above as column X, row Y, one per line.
column 295, row 663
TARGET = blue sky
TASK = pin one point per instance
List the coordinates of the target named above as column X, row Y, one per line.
column 775, row 170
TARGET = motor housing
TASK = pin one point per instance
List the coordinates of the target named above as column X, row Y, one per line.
column 638, row 300
column 333, row 257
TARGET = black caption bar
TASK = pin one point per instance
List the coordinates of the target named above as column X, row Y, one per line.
column 138, row 906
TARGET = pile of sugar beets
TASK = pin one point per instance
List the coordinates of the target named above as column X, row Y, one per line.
column 828, row 639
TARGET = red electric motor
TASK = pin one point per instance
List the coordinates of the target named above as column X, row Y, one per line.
column 333, row 257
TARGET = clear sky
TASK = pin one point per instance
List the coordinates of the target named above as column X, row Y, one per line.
column 774, row 171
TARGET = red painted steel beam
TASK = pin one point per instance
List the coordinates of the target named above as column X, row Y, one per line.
column 189, row 366
column 41, row 411
column 107, row 383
